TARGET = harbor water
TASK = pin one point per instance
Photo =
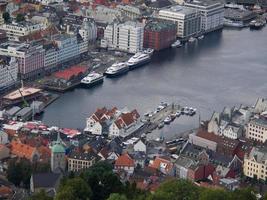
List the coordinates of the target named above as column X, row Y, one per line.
column 226, row 68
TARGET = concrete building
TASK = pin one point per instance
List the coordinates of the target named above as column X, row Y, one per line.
column 257, row 130
column 78, row 161
column 188, row 20
column 51, row 57
column 68, row 47
column 8, row 72
column 232, row 131
column 15, row 30
column 255, row 164
column 212, row 14
column 159, row 34
column 126, row 36
column 30, row 57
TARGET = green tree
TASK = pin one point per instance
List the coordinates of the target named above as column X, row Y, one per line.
column 20, row 18
column 176, row 190
column 19, row 172
column 40, row 196
column 6, row 16
column 245, row 193
column 117, row 196
column 74, row 189
column 102, row 180
column 214, row 194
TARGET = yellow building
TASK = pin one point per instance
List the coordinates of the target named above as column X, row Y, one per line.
column 78, row 161
column 257, row 130
column 255, row 164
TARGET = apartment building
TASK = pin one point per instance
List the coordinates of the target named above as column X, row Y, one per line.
column 128, row 36
column 255, row 164
column 212, row 14
column 78, row 161
column 88, row 30
column 8, row 72
column 51, row 57
column 30, row 57
column 188, row 20
column 257, row 130
column 16, row 30
column 68, row 47
column 129, row 11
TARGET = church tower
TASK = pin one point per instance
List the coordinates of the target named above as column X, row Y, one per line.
column 58, row 161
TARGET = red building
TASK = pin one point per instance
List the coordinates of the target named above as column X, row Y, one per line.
column 159, row 34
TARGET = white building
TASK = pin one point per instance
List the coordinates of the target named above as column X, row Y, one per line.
column 51, row 57
column 8, row 72
column 232, row 132
column 188, row 20
column 88, row 30
column 3, row 137
column 16, row 30
column 139, row 146
column 257, row 130
column 212, row 14
column 126, row 36
column 47, row 2
column 103, row 14
column 129, row 11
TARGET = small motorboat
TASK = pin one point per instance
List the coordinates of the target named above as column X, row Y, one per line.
column 177, row 43
column 178, row 113
column 173, row 116
column 167, row 120
column 201, row 37
column 192, row 39
column 161, row 125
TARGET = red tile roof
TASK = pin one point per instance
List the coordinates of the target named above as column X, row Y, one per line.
column 70, row 73
column 22, row 150
column 124, row 160
column 126, row 119
column 157, row 164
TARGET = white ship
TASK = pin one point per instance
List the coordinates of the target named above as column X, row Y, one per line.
column 92, row 79
column 230, row 23
column 192, row 39
column 149, row 51
column 117, row 69
column 138, row 59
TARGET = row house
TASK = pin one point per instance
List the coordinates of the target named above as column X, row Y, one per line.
column 30, row 57
column 96, row 122
column 16, row 30
column 163, row 165
column 124, row 163
column 123, row 124
column 51, row 57
column 8, row 72
column 255, row 164
column 24, row 151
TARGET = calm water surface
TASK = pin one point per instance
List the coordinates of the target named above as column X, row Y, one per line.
column 226, row 68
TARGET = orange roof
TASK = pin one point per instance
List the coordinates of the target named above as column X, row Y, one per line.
column 5, row 191
column 124, row 160
column 158, row 162
column 45, row 152
column 67, row 74
column 22, row 150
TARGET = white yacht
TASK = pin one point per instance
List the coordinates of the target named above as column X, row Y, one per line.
column 231, row 23
column 138, row 59
column 117, row 69
column 92, row 79
column 201, row 37
column 177, row 43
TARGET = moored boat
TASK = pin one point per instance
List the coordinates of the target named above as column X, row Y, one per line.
column 92, row 79
column 117, row 69
column 149, row 51
column 138, row 60
column 167, row 120
column 177, row 43
column 192, row 39
column 201, row 37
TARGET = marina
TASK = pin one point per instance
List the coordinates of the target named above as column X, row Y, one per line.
column 199, row 71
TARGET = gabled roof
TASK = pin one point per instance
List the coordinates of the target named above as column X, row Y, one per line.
column 161, row 163
column 124, row 160
column 45, row 180
column 22, row 150
column 126, row 119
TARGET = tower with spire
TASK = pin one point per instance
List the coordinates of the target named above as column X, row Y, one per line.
column 58, row 161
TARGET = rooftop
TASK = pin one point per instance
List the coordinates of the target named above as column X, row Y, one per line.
column 181, row 9
column 24, row 91
column 203, row 3
column 158, row 25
